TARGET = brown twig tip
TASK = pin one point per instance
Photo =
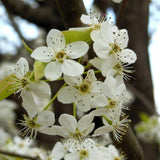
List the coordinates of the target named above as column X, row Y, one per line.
column 18, row 155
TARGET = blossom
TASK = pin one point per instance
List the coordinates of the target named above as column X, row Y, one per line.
column 117, row 1
column 59, row 56
column 82, row 91
column 114, row 42
column 57, row 152
column 37, row 119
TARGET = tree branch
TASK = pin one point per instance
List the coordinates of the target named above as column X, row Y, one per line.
column 17, row 155
column 71, row 11
column 43, row 16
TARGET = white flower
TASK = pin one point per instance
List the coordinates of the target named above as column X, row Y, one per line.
column 37, row 119
column 70, row 128
column 59, row 55
column 113, row 154
column 82, row 91
column 57, row 152
column 113, row 124
column 112, row 66
column 114, row 42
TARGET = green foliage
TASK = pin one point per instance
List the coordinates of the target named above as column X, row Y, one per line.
column 72, row 36
column 8, row 86
column 39, row 70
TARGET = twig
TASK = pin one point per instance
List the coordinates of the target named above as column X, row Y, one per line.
column 121, row 12
column 17, row 155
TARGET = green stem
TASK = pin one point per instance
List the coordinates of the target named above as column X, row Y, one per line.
column 55, row 96
column 96, row 71
column 88, row 65
column 46, row 80
column 108, row 120
column 79, row 60
column 74, row 109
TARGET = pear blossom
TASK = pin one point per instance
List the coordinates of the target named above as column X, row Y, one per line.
column 22, row 83
column 112, row 66
column 82, row 91
column 59, row 56
column 114, row 42
column 37, row 119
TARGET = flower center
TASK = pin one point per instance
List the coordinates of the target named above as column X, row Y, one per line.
column 84, row 88
column 83, row 154
column 97, row 26
column 30, row 126
column 60, row 56
column 24, row 83
column 77, row 134
column 112, row 103
column 115, row 49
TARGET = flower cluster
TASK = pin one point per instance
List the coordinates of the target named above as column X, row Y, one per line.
column 148, row 129
column 97, row 89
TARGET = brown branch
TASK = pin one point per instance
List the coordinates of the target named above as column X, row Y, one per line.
column 42, row 16
column 130, row 146
column 121, row 12
column 17, row 155
column 71, row 11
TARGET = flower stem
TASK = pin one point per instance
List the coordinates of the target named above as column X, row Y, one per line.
column 74, row 109
column 108, row 120
column 96, row 71
column 79, row 60
column 88, row 65
column 52, row 100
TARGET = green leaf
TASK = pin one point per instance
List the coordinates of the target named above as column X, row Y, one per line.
column 39, row 70
column 29, row 50
column 72, row 36
column 144, row 117
column 8, row 86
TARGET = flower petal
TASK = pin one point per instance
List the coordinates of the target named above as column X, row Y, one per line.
column 127, row 56
column 103, row 130
column 53, row 71
column 97, row 62
column 41, row 89
column 43, row 54
column 84, row 104
column 73, row 81
column 22, row 67
column 72, row 68
column 67, row 94
column 56, row 40
column 99, row 101
column 85, row 121
column 77, row 49
column 29, row 104
column 101, row 49
column 46, row 118
column 90, row 76
column 68, row 122
column 87, row 19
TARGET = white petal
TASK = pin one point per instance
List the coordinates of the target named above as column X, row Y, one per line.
column 89, row 129
column 43, row 54
column 72, row 68
column 68, row 122
column 101, row 49
column 67, row 94
column 120, row 92
column 122, row 39
column 95, row 35
column 73, row 81
column 77, row 49
column 103, row 130
column 99, row 101
column 41, row 89
column 54, row 130
column 80, row 29
column 22, row 67
column 99, row 112
column 29, row 104
column 97, row 62
column 58, row 151
column 53, row 71
column 85, row 121
column 72, row 156
column 86, row 19
column 46, row 118
column 56, row 40
column 90, row 76
column 127, row 56
column 84, row 104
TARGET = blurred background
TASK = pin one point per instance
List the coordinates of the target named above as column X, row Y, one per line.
column 30, row 20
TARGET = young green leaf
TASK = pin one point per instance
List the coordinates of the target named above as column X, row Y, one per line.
column 29, row 50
